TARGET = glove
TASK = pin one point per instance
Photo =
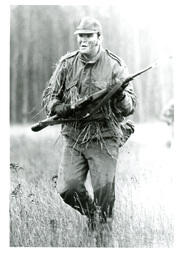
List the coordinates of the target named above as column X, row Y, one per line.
column 62, row 109
column 122, row 105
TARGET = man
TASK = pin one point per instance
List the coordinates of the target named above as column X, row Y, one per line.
column 168, row 117
column 93, row 144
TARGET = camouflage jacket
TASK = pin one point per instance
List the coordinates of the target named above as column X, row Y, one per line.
column 76, row 77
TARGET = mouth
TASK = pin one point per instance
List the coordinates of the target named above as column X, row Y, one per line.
column 83, row 46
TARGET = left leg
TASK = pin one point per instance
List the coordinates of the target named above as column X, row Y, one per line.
column 102, row 164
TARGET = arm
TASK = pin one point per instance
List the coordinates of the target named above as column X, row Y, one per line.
column 124, row 101
column 53, row 93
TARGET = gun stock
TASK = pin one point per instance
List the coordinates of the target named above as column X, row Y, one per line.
column 44, row 123
column 38, row 127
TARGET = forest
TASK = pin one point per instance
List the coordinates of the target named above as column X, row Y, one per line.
column 40, row 35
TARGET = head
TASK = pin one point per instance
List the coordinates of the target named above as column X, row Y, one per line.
column 89, row 36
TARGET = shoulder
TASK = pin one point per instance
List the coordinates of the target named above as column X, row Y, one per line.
column 66, row 59
column 69, row 55
column 114, row 57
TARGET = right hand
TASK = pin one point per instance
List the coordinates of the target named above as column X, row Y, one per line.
column 62, row 110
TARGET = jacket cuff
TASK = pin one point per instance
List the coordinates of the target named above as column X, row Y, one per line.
column 124, row 105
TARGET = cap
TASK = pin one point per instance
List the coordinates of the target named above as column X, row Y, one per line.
column 88, row 25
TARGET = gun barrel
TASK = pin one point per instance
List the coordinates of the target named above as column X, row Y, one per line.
column 141, row 72
column 131, row 77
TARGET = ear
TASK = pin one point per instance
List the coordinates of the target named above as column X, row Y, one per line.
column 100, row 38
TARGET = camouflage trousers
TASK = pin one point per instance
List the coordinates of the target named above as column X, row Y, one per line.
column 98, row 159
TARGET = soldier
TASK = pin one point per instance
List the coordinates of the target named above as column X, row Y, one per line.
column 91, row 145
column 168, row 117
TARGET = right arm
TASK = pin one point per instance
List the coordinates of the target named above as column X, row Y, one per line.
column 53, row 94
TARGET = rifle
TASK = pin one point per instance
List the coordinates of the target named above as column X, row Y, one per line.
column 57, row 119
column 104, row 95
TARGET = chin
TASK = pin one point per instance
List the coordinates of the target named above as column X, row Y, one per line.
column 84, row 52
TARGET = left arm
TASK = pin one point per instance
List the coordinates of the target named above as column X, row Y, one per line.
column 124, row 101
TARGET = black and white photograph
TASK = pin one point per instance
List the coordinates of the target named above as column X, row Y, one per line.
column 91, row 110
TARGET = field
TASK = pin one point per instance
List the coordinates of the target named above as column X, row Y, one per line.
column 143, row 214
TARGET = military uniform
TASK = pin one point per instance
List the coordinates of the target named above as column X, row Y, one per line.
column 91, row 145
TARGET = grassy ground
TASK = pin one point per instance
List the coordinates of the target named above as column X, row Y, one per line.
column 144, row 205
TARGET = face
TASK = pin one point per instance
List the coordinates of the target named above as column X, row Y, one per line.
column 88, row 43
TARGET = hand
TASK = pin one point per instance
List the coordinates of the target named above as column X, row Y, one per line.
column 119, row 96
column 62, row 109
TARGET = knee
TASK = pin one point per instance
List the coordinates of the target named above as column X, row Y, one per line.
column 70, row 186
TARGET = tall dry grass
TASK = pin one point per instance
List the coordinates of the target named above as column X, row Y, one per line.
column 143, row 214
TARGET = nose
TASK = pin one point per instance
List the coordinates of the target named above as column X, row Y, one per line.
column 84, row 38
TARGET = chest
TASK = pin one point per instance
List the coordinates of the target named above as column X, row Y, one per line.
column 86, row 79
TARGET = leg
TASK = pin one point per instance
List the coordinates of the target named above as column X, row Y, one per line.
column 71, row 179
column 102, row 165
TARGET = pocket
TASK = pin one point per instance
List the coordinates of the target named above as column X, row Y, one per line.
column 127, row 129
column 71, row 92
column 112, row 147
column 97, row 86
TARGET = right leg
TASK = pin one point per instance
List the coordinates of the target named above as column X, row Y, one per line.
column 71, row 179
